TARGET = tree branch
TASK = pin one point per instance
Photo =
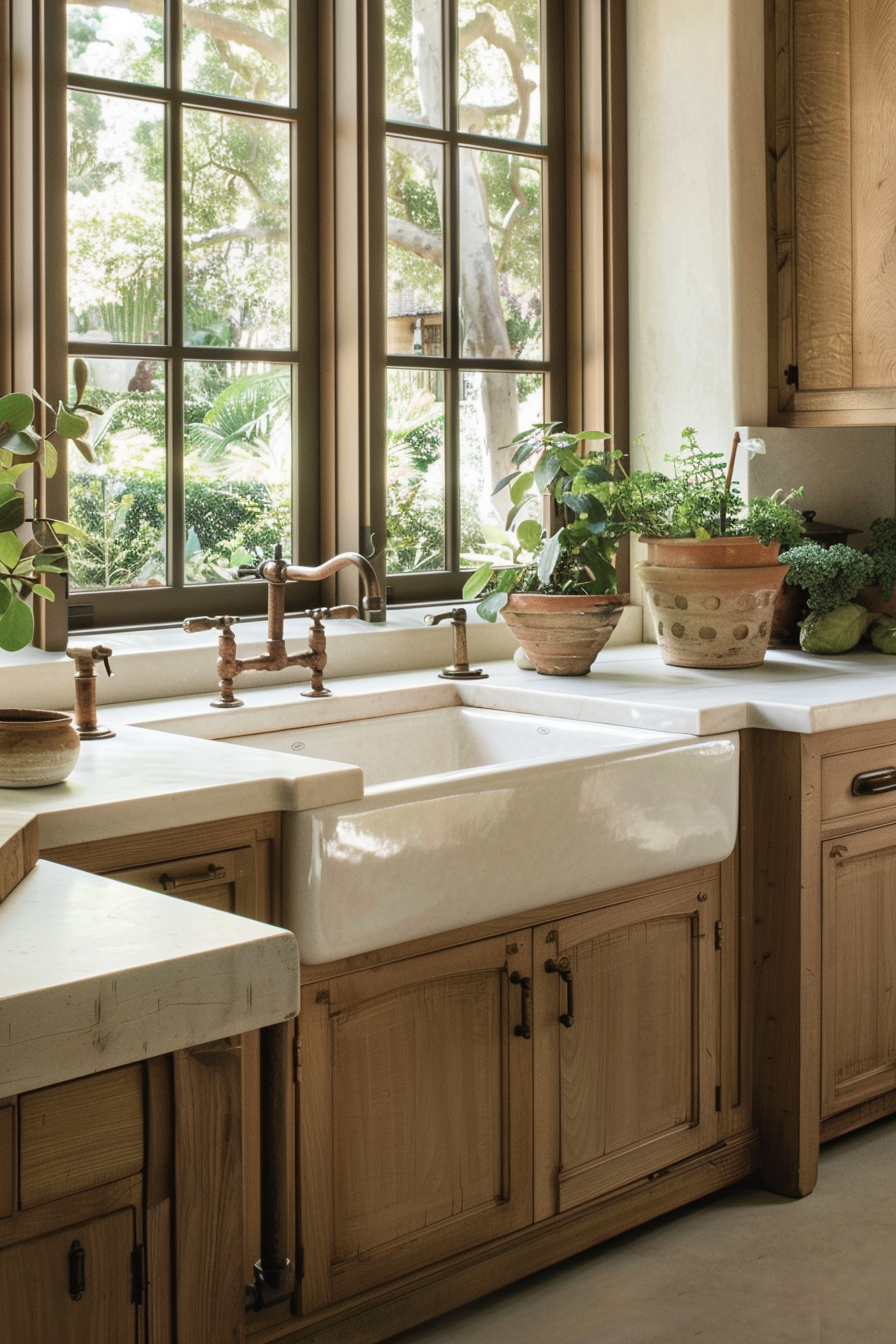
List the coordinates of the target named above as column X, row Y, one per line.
column 475, row 118
column 217, row 26
column 483, row 25
column 425, row 243
column 264, row 233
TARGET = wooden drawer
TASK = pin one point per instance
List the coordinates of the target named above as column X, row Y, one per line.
column 838, row 773
column 7, row 1161
column 80, row 1135
column 217, row 880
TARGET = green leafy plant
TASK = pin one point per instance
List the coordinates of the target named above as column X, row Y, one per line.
column 25, row 559
column 882, row 550
column 830, row 575
column 700, row 499
column 578, row 556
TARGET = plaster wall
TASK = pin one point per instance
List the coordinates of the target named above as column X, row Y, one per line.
column 697, row 259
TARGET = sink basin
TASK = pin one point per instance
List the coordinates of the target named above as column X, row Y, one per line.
column 470, row 814
column 416, row 745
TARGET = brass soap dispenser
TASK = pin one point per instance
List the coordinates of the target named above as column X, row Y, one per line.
column 85, row 688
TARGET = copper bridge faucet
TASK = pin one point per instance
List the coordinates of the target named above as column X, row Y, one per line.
column 277, row 573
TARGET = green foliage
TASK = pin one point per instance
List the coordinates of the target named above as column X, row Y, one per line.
column 123, row 515
column 883, row 634
column 882, row 549
column 831, row 575
column 578, row 557
column 693, row 502
column 23, row 563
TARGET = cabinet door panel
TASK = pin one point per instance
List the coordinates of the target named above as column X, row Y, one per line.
column 859, row 950
column 638, row 1068
column 410, row 1076
column 37, row 1307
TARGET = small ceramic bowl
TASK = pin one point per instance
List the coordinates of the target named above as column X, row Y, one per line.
column 37, row 747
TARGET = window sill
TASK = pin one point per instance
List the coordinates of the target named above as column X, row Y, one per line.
column 158, row 663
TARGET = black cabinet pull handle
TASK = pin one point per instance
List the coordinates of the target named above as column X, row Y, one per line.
column 564, row 970
column 874, row 781
column 525, row 984
column 76, row 1274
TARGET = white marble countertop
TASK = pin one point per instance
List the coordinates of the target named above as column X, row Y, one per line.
column 95, row 974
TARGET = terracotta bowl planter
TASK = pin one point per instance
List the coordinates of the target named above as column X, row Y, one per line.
column 712, row 617
column 872, row 599
column 713, row 553
column 560, row 635
column 37, row 747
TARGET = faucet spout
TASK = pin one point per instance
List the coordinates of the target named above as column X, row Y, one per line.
column 373, row 597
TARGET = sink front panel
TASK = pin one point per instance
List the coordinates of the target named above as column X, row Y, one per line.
column 409, row 861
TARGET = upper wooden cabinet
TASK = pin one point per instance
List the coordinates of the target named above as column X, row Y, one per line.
column 831, row 113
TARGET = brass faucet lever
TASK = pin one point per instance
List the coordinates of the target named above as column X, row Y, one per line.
column 460, row 669
column 85, row 688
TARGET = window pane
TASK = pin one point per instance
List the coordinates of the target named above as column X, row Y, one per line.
column 500, row 255
column 236, row 231
column 120, row 500
column 238, row 443
column 414, row 61
column 415, row 465
column 494, row 407
column 112, row 43
column 239, row 48
column 414, row 230
column 498, row 69
column 116, row 219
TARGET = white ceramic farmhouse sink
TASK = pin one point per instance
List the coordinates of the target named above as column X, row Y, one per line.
column 470, row 814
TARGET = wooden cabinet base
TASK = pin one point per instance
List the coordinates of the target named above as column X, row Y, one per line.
column 377, row 1316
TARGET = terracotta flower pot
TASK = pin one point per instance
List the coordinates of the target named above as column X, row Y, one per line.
column 872, row 599
column 37, row 747
column 712, row 553
column 712, row 617
column 562, row 635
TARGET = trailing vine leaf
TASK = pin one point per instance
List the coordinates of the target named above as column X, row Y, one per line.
column 491, row 606
column 549, row 557
column 16, row 625
column 476, row 582
column 529, row 534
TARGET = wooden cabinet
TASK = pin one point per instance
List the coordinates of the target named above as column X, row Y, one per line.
column 416, row 1126
column 628, row 1045
column 204, row 1102
column 822, row 866
column 73, row 1287
column 858, row 1040
column 831, row 100
column 72, row 1162
column 230, row 865
column 472, row 1108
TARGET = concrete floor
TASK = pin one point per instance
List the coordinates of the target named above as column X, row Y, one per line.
column 742, row 1267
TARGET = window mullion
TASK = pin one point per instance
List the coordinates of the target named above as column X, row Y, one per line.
column 175, row 512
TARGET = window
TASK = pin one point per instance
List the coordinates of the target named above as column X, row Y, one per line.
column 184, row 150
column 325, row 259
column 471, row 165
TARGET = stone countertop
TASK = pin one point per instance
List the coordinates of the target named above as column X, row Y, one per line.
column 628, row 685
column 96, row 974
column 163, row 769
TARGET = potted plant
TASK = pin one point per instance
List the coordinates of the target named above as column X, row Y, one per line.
column 876, row 593
column 712, row 571
column 557, row 591
column 26, row 559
